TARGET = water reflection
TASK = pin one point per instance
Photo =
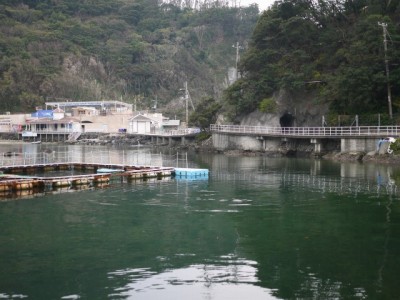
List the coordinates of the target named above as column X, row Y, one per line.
column 234, row 279
column 257, row 228
column 324, row 176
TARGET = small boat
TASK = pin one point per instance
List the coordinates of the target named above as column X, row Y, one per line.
column 36, row 142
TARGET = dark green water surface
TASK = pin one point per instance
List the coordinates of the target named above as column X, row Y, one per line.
column 257, row 228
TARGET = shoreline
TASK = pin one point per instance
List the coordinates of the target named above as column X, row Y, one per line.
column 206, row 147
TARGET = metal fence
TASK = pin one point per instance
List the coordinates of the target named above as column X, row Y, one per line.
column 350, row 131
column 118, row 157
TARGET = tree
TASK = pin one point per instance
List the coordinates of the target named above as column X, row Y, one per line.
column 335, row 43
column 205, row 113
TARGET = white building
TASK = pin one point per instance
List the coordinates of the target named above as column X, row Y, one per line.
column 140, row 124
column 91, row 116
column 47, row 125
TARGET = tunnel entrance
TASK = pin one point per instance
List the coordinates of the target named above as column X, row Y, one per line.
column 287, row 120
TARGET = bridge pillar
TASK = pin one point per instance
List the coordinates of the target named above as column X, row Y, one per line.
column 183, row 141
column 170, row 141
column 317, row 145
column 358, row 144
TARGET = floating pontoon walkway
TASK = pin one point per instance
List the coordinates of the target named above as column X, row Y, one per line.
column 17, row 178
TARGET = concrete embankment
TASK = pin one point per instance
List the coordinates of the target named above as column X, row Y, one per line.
column 367, row 149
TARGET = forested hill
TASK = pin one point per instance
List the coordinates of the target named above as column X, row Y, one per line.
column 130, row 50
column 327, row 51
column 330, row 49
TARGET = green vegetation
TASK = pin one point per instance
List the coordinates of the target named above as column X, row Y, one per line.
column 330, row 48
column 205, row 113
column 116, row 49
column 268, row 105
column 396, row 148
column 142, row 50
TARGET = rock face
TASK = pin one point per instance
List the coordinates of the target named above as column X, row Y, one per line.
column 258, row 118
column 300, row 110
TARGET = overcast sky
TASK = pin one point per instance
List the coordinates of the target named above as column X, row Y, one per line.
column 262, row 4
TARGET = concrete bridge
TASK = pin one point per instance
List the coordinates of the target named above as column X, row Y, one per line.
column 260, row 138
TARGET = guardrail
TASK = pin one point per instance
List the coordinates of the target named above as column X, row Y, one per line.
column 110, row 156
column 351, row 131
column 177, row 132
column 98, row 156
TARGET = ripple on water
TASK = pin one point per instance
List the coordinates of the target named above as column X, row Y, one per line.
column 225, row 278
column 217, row 211
column 71, row 297
column 13, row 296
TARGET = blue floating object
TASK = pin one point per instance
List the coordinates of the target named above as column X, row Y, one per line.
column 191, row 172
column 191, row 177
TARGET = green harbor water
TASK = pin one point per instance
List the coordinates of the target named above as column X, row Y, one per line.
column 257, row 228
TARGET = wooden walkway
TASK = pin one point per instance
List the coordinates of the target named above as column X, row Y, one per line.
column 15, row 179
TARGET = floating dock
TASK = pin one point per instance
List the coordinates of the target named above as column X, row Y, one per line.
column 14, row 180
column 19, row 180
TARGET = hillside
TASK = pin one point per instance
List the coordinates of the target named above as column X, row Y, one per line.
column 301, row 56
column 139, row 51
column 328, row 53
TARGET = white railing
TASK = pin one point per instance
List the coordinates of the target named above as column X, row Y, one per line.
column 176, row 132
column 90, row 157
column 49, row 131
column 351, row 131
column 186, row 131
column 109, row 156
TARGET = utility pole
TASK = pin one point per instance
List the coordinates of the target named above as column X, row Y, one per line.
column 187, row 98
column 389, row 93
column 187, row 103
column 237, row 46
